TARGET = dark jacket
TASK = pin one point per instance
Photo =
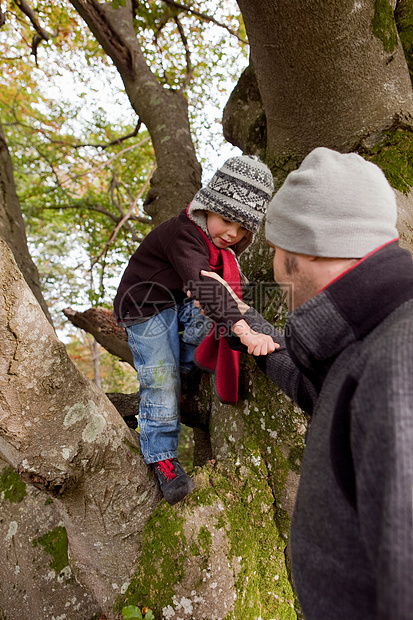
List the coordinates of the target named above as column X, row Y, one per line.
column 169, row 258
column 347, row 358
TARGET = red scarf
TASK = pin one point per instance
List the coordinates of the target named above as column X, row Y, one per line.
column 214, row 354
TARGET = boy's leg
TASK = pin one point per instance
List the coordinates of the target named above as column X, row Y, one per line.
column 195, row 326
column 155, row 348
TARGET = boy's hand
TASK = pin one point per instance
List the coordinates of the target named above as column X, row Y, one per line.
column 257, row 344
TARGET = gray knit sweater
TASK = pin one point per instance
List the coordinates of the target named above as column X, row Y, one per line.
column 347, row 358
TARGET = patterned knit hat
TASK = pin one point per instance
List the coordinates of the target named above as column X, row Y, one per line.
column 239, row 191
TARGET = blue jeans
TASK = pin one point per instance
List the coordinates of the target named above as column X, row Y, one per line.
column 162, row 348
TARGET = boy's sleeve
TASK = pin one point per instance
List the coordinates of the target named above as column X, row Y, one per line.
column 188, row 257
column 279, row 366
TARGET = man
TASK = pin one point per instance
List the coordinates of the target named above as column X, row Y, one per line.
column 347, row 359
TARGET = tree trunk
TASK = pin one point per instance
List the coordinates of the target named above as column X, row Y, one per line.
column 35, row 574
column 214, row 554
column 163, row 111
column 330, row 73
column 61, row 433
column 12, row 228
column 96, row 363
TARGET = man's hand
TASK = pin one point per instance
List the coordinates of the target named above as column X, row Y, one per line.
column 257, row 344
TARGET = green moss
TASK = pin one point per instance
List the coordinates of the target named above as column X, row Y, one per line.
column 254, row 473
column 12, row 486
column 384, row 25
column 263, row 587
column 55, row 544
column 295, row 457
column 161, row 562
column 132, row 447
column 271, row 427
column 220, row 523
column 256, row 547
column 48, row 501
column 194, row 550
column 205, row 539
column 394, row 155
column 404, row 22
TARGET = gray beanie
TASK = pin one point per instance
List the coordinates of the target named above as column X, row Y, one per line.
column 240, row 191
column 335, row 205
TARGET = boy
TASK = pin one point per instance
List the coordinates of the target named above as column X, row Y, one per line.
column 164, row 327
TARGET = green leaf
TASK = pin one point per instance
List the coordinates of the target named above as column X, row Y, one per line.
column 149, row 615
column 132, row 612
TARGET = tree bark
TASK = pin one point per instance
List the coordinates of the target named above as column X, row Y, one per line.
column 163, row 111
column 101, row 324
column 329, row 73
column 35, row 574
column 61, row 433
column 323, row 78
column 12, row 228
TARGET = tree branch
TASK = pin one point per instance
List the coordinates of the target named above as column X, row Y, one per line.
column 104, row 163
column 124, row 218
column 2, row 18
column 189, row 72
column 41, row 33
column 27, row 10
column 115, row 218
column 112, row 142
column 205, row 17
column 101, row 323
column 79, row 145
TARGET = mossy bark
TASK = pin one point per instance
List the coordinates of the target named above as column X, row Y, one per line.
column 404, row 23
column 36, row 580
column 321, row 72
column 221, row 553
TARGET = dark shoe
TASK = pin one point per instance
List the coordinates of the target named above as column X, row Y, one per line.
column 175, row 483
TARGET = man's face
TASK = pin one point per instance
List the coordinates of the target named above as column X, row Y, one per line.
column 293, row 275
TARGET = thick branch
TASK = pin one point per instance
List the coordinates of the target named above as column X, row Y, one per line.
column 164, row 112
column 12, row 227
column 330, row 62
column 61, row 433
column 101, row 323
column 188, row 75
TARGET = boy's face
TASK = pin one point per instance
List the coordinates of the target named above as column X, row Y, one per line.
column 223, row 232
